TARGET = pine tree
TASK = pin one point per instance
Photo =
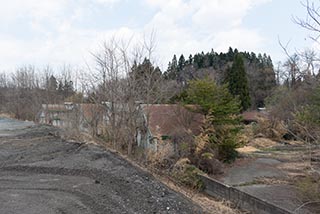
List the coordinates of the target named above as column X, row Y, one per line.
column 181, row 63
column 173, row 68
column 52, row 83
column 174, row 63
column 230, row 54
column 146, row 77
column 190, row 59
column 238, row 82
column 221, row 110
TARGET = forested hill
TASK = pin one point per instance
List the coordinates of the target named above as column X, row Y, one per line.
column 259, row 73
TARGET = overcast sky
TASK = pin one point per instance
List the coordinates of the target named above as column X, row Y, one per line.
column 55, row 32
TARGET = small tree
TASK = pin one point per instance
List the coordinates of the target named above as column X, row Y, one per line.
column 222, row 121
column 238, row 82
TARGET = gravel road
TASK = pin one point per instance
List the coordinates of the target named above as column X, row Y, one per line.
column 41, row 173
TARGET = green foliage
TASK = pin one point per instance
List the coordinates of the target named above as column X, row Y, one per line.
column 207, row 155
column 180, row 97
column 146, row 78
column 222, row 116
column 172, row 71
column 214, row 100
column 311, row 112
column 189, row 177
column 238, row 82
column 181, row 63
column 259, row 70
column 227, row 149
column 165, row 137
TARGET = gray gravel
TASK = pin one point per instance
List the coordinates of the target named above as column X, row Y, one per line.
column 41, row 173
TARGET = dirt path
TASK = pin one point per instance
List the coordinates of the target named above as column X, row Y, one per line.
column 40, row 173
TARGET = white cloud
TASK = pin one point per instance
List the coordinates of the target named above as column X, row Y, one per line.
column 199, row 25
column 13, row 9
column 107, row 1
column 241, row 38
column 182, row 26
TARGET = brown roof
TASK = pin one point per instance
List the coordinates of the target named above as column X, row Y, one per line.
column 250, row 116
column 168, row 120
column 54, row 107
column 91, row 111
column 253, row 116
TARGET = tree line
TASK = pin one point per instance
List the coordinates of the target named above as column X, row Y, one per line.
column 23, row 92
column 250, row 76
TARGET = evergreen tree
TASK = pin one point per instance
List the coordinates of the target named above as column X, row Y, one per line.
column 181, row 63
column 238, row 82
column 222, row 122
column 146, row 78
column 172, row 72
column 258, row 67
column 68, row 88
column 211, row 58
column 174, row 63
column 52, row 83
column 230, row 54
column 190, row 59
column 196, row 61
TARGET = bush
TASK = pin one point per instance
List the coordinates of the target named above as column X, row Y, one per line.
column 227, row 150
column 163, row 159
column 222, row 122
column 209, row 164
column 187, row 174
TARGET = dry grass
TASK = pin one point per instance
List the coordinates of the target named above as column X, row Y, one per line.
column 208, row 204
column 294, row 169
column 270, row 129
column 6, row 115
column 246, row 134
column 262, row 143
column 247, row 149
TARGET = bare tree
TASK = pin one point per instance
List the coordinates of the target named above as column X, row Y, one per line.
column 123, row 78
column 312, row 20
column 300, row 65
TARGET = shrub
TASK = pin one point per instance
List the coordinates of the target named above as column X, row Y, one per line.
column 227, row 150
column 209, row 164
column 222, row 123
column 187, row 174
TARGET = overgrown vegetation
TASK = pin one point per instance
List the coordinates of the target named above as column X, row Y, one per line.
column 220, row 85
column 222, row 122
column 187, row 175
column 22, row 93
column 255, row 76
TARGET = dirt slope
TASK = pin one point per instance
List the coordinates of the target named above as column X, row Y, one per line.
column 40, row 173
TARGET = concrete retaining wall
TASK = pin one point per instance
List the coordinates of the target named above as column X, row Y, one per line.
column 241, row 199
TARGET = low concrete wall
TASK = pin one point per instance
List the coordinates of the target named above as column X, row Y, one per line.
column 241, row 199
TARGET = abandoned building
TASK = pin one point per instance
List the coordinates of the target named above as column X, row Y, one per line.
column 167, row 125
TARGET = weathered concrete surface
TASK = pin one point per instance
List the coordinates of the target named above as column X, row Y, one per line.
column 40, row 173
column 281, row 195
column 241, row 198
column 245, row 177
column 262, row 167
